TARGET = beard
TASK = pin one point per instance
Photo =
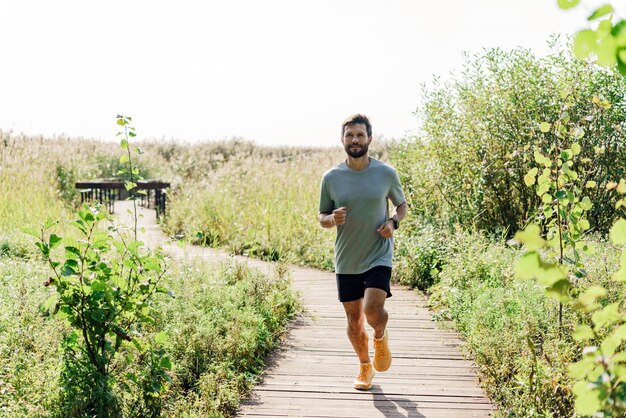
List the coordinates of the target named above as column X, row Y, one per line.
column 357, row 152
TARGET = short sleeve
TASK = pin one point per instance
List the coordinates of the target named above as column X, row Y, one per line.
column 326, row 202
column 395, row 190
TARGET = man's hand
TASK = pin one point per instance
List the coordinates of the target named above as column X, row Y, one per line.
column 339, row 216
column 386, row 229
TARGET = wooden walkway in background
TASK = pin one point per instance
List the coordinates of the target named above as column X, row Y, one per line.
column 312, row 374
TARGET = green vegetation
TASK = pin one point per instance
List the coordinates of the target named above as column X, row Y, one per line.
column 99, row 326
column 479, row 131
column 513, row 143
column 220, row 325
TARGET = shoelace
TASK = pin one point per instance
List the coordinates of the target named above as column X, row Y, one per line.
column 380, row 348
column 362, row 373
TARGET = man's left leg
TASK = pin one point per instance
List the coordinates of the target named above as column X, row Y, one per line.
column 377, row 317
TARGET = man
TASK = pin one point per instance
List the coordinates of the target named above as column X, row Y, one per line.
column 354, row 199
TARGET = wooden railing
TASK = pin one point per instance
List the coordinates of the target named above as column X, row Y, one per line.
column 107, row 191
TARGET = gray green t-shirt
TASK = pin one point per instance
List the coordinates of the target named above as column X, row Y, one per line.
column 358, row 246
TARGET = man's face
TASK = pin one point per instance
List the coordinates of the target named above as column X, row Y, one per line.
column 355, row 140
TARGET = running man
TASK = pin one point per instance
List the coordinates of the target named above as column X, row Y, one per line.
column 354, row 199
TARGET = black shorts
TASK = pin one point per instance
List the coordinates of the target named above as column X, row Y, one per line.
column 352, row 286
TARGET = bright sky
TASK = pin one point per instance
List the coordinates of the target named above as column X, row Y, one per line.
column 272, row 71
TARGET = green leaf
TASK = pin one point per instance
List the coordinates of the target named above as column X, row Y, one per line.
column 561, row 194
column 98, row 286
column 618, row 232
column 591, row 184
column 129, row 185
column 132, row 134
column 165, row 363
column 55, row 240
column 530, row 237
column 528, row 266
column 609, row 345
column 601, row 11
column 567, row 4
column 44, row 248
column 586, row 204
column 72, row 252
column 70, row 267
column 120, row 121
column 49, row 223
column 607, row 315
column 124, row 158
column 587, row 400
column 559, row 290
column 546, row 198
column 544, row 127
column 540, row 158
column 583, row 333
column 620, row 332
column 583, row 224
column 529, row 178
column 161, row 338
column 585, row 43
column 50, row 303
column 31, row 231
column 575, row 148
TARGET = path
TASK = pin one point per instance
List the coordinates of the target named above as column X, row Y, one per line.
column 312, row 374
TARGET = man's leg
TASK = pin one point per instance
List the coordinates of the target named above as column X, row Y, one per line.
column 375, row 311
column 377, row 317
column 356, row 329
column 358, row 337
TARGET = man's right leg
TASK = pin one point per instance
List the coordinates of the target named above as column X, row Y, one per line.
column 356, row 329
column 358, row 337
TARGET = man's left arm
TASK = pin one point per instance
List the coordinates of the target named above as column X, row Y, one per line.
column 387, row 228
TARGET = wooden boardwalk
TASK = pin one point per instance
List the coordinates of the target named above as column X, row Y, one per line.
column 312, row 374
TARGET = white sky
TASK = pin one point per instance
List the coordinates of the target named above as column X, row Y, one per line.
column 272, row 71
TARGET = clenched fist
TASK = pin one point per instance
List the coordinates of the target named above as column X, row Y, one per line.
column 339, row 216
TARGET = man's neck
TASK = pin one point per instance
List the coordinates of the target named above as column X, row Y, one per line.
column 358, row 164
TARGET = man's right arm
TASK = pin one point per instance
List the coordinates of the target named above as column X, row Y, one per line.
column 337, row 217
column 327, row 220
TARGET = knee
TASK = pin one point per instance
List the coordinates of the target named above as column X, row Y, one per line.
column 374, row 313
column 355, row 323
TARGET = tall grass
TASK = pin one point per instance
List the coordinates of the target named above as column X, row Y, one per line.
column 221, row 324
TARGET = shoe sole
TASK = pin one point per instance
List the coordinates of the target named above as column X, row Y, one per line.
column 363, row 387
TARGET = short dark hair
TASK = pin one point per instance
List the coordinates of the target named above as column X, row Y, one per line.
column 353, row 120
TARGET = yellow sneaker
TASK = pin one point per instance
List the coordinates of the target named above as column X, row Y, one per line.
column 382, row 355
column 363, row 380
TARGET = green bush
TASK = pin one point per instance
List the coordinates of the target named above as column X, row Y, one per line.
column 419, row 255
column 468, row 161
column 510, row 326
column 221, row 327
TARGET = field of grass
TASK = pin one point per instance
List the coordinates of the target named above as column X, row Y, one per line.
column 221, row 323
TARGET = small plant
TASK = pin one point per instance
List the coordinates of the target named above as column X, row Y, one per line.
column 561, row 187
column 105, row 284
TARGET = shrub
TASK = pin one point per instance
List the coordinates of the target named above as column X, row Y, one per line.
column 222, row 324
column 467, row 164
